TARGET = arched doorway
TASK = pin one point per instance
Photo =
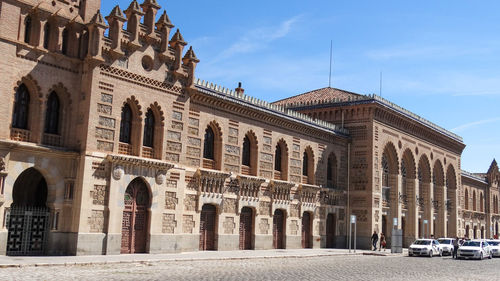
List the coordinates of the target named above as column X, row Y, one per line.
column 403, row 229
column 306, row 231
column 28, row 217
column 208, row 222
column 246, row 228
column 279, row 229
column 467, row 230
column 482, row 232
column 475, row 232
column 135, row 218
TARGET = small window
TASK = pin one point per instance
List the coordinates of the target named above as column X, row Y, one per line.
column 246, row 151
column 277, row 158
column 149, row 129
column 65, row 38
column 27, row 29
column 305, row 164
column 21, row 108
column 52, row 115
column 208, row 145
column 46, row 35
column 126, row 124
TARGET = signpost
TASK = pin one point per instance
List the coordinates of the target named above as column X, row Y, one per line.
column 353, row 221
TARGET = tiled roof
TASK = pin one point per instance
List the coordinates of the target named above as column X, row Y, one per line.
column 323, row 94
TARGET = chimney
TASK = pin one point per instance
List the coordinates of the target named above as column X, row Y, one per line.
column 239, row 90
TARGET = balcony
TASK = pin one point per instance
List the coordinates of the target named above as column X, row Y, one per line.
column 277, row 175
column 208, row 164
column 20, row 134
column 148, row 152
column 52, row 140
column 125, row 148
column 245, row 170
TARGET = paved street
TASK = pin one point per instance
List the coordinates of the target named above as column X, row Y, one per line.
column 310, row 268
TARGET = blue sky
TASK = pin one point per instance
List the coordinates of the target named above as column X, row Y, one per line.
column 440, row 59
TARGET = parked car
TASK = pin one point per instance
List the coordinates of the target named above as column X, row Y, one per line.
column 474, row 249
column 494, row 247
column 446, row 245
column 425, row 247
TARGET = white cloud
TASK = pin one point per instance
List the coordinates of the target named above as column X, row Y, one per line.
column 258, row 38
column 466, row 126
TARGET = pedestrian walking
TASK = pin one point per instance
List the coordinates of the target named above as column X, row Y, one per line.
column 374, row 240
column 456, row 244
column 383, row 243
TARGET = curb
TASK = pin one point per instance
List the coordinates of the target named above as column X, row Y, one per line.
column 171, row 260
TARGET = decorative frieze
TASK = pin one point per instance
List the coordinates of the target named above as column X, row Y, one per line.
column 229, row 225
column 361, row 215
column 264, row 208
column 177, row 125
column 294, row 227
column 231, row 159
column 194, row 122
column 107, row 122
column 296, row 147
column 168, row 223
column 233, row 132
column 174, row 146
column 266, row 157
column 194, row 141
column 97, row 221
column 176, row 115
column 229, row 205
column 170, row 200
column 267, row 140
column 231, row 168
column 187, row 224
column 232, row 149
column 193, row 131
column 176, row 136
column 106, row 134
column 266, row 174
column 104, row 109
column 267, row 148
column 294, row 210
column 264, row 226
column 99, row 195
column 190, row 202
column 171, row 184
column 193, row 162
column 266, row 165
column 296, row 163
column 193, row 151
column 172, row 157
column 105, row 146
column 106, row 98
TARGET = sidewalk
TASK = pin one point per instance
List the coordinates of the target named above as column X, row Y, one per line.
column 8, row 261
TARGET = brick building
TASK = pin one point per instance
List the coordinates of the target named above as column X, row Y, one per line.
column 111, row 145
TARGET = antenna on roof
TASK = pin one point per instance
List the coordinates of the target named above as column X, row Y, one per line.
column 380, row 91
column 330, row 77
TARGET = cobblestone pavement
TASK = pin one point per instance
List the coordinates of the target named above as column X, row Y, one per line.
column 310, row 268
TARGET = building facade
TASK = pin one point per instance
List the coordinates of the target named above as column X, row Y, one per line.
column 109, row 144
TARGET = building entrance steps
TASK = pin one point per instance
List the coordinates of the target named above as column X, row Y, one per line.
column 10, row 261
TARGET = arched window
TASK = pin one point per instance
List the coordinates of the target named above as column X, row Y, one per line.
column 466, row 199
column 277, row 158
column 65, row 38
column 149, row 129
column 474, row 201
column 126, row 124
column 27, row 29
column 245, row 160
column 52, row 115
column 305, row 164
column 403, row 174
column 21, row 108
column 331, row 171
column 46, row 35
column 208, row 144
column 385, row 171
column 481, row 203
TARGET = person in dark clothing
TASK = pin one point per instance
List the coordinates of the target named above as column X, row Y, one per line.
column 455, row 247
column 374, row 240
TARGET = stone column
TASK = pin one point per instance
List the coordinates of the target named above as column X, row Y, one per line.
column 411, row 231
column 429, row 210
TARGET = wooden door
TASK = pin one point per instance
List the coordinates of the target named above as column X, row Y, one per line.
column 207, row 228
column 246, row 227
column 330, row 231
column 306, row 230
column 278, row 229
column 135, row 218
